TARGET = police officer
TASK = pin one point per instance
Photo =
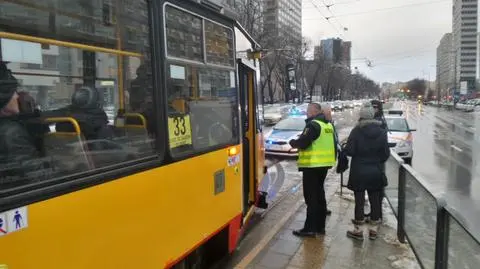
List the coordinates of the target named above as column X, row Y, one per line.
column 316, row 155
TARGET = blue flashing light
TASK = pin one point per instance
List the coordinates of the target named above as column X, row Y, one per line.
column 297, row 112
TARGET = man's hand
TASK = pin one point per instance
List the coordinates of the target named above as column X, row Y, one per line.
column 291, row 143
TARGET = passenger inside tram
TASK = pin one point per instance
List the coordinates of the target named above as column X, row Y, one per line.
column 18, row 152
column 35, row 126
column 87, row 109
column 140, row 97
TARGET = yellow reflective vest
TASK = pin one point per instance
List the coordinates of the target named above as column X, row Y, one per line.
column 321, row 153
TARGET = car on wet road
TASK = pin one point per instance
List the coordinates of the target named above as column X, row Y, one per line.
column 272, row 115
column 276, row 141
column 337, row 106
column 348, row 105
column 400, row 138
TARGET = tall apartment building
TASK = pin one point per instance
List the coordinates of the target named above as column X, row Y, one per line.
column 347, row 54
column 283, row 18
column 335, row 51
column 465, row 19
column 445, row 64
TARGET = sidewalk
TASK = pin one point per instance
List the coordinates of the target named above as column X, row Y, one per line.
column 334, row 250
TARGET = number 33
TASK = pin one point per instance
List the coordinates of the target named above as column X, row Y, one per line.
column 180, row 128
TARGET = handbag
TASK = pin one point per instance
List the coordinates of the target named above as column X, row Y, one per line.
column 342, row 164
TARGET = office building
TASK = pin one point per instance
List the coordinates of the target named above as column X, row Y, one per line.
column 283, row 18
column 465, row 29
column 445, row 65
column 347, row 55
column 334, row 51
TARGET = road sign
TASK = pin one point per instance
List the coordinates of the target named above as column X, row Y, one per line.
column 463, row 87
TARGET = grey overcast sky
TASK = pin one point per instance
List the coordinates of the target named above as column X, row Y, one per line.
column 399, row 37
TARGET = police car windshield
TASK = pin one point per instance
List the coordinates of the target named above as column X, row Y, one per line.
column 397, row 124
column 290, row 124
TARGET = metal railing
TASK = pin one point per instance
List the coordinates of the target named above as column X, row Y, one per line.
column 437, row 233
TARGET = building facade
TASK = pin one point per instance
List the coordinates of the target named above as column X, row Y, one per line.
column 283, row 18
column 445, row 65
column 334, row 51
column 465, row 19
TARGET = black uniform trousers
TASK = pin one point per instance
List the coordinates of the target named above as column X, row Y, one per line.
column 314, row 194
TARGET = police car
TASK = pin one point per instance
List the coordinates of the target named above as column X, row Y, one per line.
column 400, row 138
column 276, row 141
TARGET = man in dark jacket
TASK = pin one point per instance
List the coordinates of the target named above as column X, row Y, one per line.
column 18, row 154
column 87, row 110
column 368, row 147
column 378, row 108
column 316, row 155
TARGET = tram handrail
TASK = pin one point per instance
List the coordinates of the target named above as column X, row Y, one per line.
column 419, row 210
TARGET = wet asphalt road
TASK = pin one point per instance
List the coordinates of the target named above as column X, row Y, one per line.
column 447, row 155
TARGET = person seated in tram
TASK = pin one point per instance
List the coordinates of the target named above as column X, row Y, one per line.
column 18, row 153
column 87, row 109
column 141, row 97
column 31, row 115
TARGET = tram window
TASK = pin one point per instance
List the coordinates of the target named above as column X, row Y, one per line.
column 203, row 108
column 219, row 44
column 184, row 34
column 69, row 108
column 91, row 22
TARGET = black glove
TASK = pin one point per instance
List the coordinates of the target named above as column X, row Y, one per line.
column 292, row 143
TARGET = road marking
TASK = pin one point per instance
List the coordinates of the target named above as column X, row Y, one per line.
column 456, row 148
column 267, row 238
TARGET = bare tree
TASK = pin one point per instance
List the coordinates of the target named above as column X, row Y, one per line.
column 280, row 47
column 251, row 17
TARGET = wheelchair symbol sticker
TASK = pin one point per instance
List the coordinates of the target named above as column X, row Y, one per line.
column 3, row 224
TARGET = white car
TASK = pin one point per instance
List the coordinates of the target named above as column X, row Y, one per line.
column 400, row 137
column 272, row 115
column 472, row 105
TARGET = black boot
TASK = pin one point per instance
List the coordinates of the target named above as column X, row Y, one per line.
column 303, row 233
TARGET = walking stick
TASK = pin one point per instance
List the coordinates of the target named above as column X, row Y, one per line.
column 341, row 184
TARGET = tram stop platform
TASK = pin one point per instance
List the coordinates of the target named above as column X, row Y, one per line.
column 278, row 248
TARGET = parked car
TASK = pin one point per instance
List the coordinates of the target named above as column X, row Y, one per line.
column 472, row 105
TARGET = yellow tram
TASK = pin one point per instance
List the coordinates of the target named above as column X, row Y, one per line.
column 150, row 150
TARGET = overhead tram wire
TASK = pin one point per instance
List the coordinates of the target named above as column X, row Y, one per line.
column 368, row 62
column 326, row 18
column 390, row 8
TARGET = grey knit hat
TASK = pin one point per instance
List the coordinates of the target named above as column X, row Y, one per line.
column 366, row 113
